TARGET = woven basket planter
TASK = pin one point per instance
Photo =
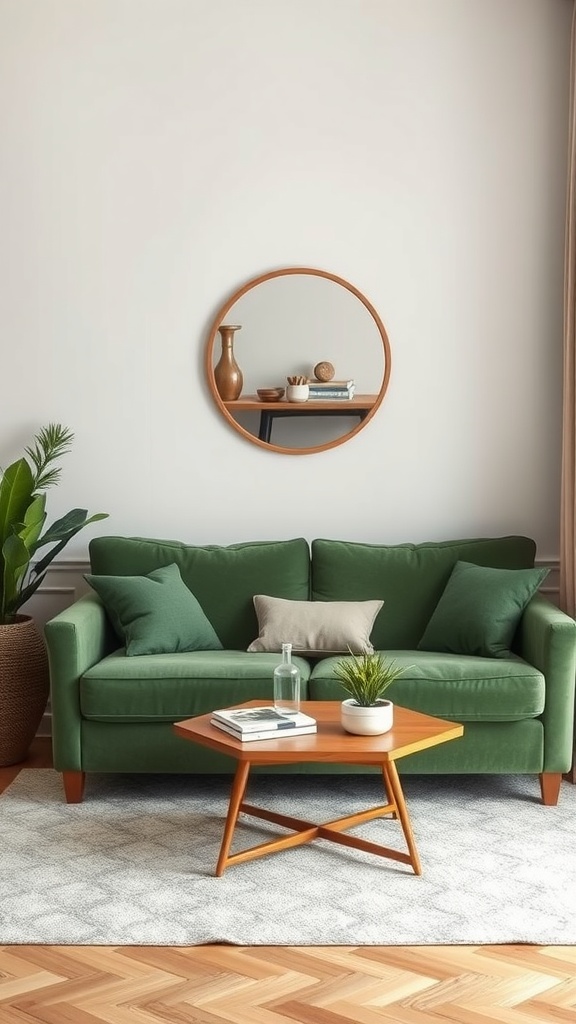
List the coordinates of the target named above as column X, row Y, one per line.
column 24, row 687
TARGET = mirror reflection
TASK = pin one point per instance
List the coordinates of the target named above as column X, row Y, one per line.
column 298, row 360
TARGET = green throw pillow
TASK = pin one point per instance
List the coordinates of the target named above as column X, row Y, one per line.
column 480, row 609
column 155, row 614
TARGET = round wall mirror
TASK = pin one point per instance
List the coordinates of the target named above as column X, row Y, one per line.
column 298, row 360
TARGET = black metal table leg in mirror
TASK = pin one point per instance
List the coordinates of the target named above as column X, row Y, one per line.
column 267, row 416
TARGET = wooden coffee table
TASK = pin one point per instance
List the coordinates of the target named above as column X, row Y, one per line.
column 331, row 744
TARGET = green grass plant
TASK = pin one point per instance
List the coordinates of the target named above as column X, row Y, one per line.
column 367, row 676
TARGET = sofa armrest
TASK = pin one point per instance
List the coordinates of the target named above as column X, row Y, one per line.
column 547, row 640
column 76, row 639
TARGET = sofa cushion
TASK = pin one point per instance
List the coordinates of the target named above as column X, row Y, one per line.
column 314, row 627
column 168, row 687
column 479, row 610
column 155, row 614
column 409, row 578
column 456, row 687
column 224, row 579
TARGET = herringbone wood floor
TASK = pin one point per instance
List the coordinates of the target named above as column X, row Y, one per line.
column 280, row 985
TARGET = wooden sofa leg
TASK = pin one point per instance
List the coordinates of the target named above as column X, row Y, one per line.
column 550, row 787
column 74, row 786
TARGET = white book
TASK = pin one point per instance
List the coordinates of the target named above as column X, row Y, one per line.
column 265, row 734
column 265, row 717
column 331, row 395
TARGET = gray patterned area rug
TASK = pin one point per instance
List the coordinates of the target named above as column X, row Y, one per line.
column 134, row 864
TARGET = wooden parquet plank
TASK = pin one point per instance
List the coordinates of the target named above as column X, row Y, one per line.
column 281, row 984
column 208, row 960
column 35, row 980
column 533, row 1013
column 75, row 961
column 57, row 1013
column 307, row 960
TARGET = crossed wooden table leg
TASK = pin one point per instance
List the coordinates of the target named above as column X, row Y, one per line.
column 306, row 831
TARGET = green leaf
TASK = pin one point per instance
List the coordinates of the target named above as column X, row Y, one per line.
column 41, row 566
column 50, row 444
column 16, row 490
column 16, row 559
column 25, row 594
column 34, row 520
column 72, row 521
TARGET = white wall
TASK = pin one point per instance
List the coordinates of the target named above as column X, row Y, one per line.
column 155, row 154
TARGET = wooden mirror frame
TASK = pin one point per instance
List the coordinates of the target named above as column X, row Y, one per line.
column 220, row 319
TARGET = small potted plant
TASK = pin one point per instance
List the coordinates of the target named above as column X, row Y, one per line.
column 366, row 677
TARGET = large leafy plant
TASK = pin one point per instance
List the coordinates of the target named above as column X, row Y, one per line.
column 366, row 676
column 23, row 518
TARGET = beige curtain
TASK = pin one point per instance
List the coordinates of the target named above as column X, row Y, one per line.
column 568, row 493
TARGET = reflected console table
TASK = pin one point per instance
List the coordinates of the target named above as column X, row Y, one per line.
column 359, row 405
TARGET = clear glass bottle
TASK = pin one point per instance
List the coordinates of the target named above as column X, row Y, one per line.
column 287, row 684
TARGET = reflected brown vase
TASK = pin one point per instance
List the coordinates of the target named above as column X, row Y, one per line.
column 227, row 373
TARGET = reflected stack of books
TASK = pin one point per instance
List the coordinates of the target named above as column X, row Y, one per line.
column 262, row 723
column 331, row 389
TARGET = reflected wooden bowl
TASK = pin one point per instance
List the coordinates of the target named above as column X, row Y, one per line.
column 270, row 394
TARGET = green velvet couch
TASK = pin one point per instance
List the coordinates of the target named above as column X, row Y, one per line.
column 114, row 713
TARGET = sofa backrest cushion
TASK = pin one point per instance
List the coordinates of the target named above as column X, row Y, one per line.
column 224, row 579
column 409, row 578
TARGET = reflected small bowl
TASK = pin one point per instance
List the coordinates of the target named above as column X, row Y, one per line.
column 270, row 394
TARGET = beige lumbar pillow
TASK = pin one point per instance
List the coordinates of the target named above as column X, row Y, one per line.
column 314, row 627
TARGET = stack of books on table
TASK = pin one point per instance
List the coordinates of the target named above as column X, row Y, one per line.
column 262, row 723
column 332, row 389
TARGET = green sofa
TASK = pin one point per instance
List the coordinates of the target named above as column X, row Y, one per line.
column 114, row 713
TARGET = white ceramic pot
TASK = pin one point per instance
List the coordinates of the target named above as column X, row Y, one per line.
column 367, row 721
column 297, row 392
